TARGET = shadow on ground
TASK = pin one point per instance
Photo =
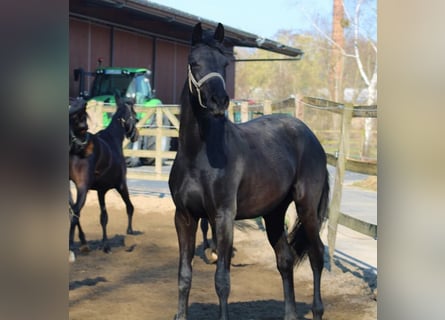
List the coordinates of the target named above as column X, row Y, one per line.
column 249, row 310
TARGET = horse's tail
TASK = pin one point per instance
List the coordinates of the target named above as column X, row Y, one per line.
column 297, row 237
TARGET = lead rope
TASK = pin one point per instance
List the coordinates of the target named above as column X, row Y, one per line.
column 198, row 84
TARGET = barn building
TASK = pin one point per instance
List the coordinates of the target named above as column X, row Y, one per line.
column 139, row 33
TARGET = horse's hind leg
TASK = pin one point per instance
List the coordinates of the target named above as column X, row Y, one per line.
column 209, row 247
column 284, row 256
column 123, row 191
column 103, row 220
column 205, row 228
column 83, row 242
column 186, row 227
column 307, row 212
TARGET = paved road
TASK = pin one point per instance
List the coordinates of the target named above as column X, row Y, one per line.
column 357, row 202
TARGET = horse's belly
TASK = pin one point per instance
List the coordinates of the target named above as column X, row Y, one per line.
column 260, row 202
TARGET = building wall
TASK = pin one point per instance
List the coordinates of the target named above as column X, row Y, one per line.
column 167, row 59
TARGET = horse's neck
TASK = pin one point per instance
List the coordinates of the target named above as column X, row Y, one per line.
column 189, row 132
column 190, row 141
column 198, row 132
column 114, row 133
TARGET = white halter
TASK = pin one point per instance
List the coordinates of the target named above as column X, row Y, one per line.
column 198, row 84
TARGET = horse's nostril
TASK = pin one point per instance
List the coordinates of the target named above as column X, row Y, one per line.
column 221, row 101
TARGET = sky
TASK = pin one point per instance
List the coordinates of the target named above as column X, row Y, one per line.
column 263, row 18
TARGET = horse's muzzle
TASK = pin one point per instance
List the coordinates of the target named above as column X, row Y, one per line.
column 135, row 135
column 218, row 104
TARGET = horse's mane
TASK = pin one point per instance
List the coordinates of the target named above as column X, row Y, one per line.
column 76, row 105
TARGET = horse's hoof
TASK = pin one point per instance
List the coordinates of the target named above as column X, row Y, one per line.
column 72, row 257
column 210, row 255
column 130, row 231
column 107, row 249
column 84, row 248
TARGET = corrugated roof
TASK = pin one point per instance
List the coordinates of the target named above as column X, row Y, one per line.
column 163, row 21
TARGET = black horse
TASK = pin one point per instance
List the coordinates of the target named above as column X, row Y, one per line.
column 98, row 164
column 223, row 172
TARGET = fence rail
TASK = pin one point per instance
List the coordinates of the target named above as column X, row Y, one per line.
column 241, row 112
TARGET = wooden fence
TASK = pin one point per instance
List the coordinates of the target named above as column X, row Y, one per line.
column 341, row 161
column 241, row 112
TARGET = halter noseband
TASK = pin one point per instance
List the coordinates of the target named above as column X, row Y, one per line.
column 123, row 121
column 76, row 144
column 198, row 84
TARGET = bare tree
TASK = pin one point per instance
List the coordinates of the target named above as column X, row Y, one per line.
column 337, row 56
column 342, row 19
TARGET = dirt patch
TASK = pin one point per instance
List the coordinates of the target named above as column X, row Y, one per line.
column 138, row 280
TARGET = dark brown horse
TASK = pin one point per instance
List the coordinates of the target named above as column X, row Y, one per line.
column 224, row 171
column 78, row 139
column 98, row 163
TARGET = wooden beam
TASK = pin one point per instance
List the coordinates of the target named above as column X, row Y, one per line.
column 360, row 226
column 365, row 167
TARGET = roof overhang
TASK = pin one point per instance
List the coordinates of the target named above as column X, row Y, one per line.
column 165, row 22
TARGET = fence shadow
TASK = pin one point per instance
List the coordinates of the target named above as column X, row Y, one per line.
column 356, row 267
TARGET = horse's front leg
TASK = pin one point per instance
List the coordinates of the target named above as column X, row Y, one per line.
column 103, row 220
column 186, row 227
column 224, row 223
column 123, row 191
column 75, row 218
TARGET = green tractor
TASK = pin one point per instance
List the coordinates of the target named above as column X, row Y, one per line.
column 131, row 82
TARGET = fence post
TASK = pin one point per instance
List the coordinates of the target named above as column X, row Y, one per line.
column 343, row 151
column 299, row 107
column 244, row 111
column 158, row 158
column 267, row 107
column 95, row 116
column 230, row 112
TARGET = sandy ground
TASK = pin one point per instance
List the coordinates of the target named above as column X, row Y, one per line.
column 138, row 280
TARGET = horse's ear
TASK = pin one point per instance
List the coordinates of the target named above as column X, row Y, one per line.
column 117, row 96
column 219, row 33
column 197, row 34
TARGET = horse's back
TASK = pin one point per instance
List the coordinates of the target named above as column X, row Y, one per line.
column 279, row 153
column 109, row 164
column 282, row 138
